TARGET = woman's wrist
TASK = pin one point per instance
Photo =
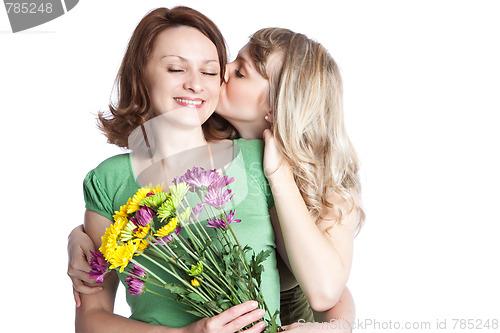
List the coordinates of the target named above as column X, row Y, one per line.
column 281, row 174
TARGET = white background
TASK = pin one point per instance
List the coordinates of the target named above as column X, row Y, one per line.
column 422, row 88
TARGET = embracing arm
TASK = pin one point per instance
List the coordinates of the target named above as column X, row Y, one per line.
column 320, row 258
column 337, row 319
column 96, row 311
column 343, row 314
column 79, row 247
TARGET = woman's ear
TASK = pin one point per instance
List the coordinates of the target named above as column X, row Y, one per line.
column 269, row 117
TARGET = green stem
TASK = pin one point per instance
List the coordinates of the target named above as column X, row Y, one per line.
column 197, row 221
column 168, row 254
column 171, row 272
column 158, row 294
column 147, row 270
column 213, row 284
column 247, row 266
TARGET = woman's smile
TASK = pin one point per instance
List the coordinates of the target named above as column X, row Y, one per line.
column 189, row 102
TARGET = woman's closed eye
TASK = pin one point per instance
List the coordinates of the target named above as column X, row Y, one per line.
column 238, row 73
column 174, row 70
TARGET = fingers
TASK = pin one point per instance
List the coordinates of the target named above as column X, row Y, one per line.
column 257, row 328
column 86, row 248
column 245, row 320
column 79, row 264
column 267, row 135
column 237, row 317
column 81, row 287
column 76, row 295
column 80, row 274
column 80, row 245
column 88, row 255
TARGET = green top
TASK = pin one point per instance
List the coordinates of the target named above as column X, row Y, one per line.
column 109, row 186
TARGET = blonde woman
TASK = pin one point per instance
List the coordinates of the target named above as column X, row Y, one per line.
column 310, row 163
column 284, row 81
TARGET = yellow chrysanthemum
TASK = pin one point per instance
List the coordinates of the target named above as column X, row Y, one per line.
column 133, row 204
column 168, row 228
column 142, row 232
column 122, row 213
column 142, row 246
column 122, row 255
column 195, row 283
column 157, row 189
column 109, row 239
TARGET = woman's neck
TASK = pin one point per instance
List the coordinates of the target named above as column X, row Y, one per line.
column 250, row 130
column 170, row 139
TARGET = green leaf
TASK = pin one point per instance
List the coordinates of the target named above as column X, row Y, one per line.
column 212, row 305
column 224, row 304
column 272, row 325
column 195, row 297
column 263, row 255
column 175, row 288
column 242, row 285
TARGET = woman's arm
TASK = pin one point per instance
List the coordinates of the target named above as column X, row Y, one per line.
column 342, row 315
column 338, row 319
column 319, row 258
column 96, row 311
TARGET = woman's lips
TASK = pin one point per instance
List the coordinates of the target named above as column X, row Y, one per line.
column 189, row 102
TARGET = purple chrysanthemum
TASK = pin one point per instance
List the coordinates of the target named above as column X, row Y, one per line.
column 144, row 216
column 220, row 223
column 222, row 182
column 99, row 266
column 138, row 271
column 135, row 285
column 216, row 223
column 230, row 217
column 198, row 178
column 218, row 198
column 197, row 209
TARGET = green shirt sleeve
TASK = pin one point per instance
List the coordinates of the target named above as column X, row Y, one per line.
column 96, row 197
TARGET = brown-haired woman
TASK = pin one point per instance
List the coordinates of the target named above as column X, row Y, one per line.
column 170, row 75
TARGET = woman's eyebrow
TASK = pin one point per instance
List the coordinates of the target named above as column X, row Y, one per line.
column 245, row 61
column 187, row 60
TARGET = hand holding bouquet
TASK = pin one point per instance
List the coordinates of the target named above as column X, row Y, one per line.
column 212, row 269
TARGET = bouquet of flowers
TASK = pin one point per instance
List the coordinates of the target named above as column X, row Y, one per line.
column 213, row 272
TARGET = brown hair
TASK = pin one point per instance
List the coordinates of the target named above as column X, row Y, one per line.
column 134, row 106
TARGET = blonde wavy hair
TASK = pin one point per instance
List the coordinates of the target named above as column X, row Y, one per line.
column 306, row 102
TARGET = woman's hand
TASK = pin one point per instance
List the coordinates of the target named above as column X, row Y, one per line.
column 231, row 320
column 79, row 247
column 273, row 159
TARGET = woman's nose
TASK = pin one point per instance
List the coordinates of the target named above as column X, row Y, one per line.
column 193, row 82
